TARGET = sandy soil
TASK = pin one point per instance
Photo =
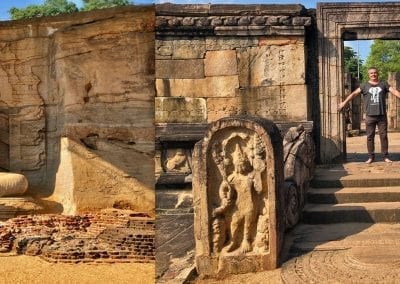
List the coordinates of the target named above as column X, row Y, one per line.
column 29, row 269
column 265, row 277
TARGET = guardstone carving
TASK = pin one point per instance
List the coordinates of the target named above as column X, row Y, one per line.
column 237, row 188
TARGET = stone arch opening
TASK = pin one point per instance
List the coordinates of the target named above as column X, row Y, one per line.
column 337, row 22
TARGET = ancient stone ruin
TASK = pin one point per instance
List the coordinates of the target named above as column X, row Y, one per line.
column 299, row 166
column 76, row 116
column 107, row 236
column 76, row 108
column 238, row 197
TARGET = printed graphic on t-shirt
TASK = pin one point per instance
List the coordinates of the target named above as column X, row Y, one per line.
column 374, row 91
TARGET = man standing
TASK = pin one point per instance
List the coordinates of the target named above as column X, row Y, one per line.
column 375, row 94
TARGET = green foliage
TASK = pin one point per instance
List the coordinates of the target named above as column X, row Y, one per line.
column 100, row 4
column 352, row 62
column 56, row 7
column 384, row 55
column 49, row 8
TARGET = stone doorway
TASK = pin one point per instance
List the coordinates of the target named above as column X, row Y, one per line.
column 338, row 22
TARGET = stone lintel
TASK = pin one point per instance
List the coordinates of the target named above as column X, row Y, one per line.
column 288, row 30
column 238, row 20
column 229, row 9
column 172, row 133
column 184, row 31
column 242, row 30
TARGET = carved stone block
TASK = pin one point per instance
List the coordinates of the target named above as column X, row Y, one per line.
column 216, row 86
column 190, row 110
column 272, row 65
column 237, row 188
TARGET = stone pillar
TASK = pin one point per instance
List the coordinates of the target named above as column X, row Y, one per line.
column 393, row 105
column 238, row 197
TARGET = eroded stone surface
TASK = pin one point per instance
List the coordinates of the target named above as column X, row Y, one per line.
column 12, row 184
column 88, row 77
column 107, row 236
column 237, row 182
column 299, row 156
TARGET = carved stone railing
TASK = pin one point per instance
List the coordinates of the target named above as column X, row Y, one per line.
column 299, row 165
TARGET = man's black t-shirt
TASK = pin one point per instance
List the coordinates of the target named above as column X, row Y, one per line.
column 375, row 97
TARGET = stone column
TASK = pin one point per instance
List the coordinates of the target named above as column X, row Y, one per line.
column 393, row 103
column 238, row 197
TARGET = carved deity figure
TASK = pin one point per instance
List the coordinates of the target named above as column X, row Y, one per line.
column 241, row 194
column 177, row 161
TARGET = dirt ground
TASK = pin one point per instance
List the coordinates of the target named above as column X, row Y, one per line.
column 31, row 269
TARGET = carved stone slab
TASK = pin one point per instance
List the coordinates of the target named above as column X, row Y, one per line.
column 237, row 193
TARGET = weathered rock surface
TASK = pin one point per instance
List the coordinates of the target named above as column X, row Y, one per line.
column 12, row 184
column 88, row 77
column 237, row 196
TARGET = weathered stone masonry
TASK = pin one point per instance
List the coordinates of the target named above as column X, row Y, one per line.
column 214, row 61
column 106, row 236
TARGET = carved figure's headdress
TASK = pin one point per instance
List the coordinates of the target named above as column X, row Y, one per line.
column 238, row 155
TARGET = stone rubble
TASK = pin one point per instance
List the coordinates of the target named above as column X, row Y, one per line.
column 107, row 236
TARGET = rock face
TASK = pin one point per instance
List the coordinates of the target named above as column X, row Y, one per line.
column 12, row 184
column 237, row 194
column 77, row 107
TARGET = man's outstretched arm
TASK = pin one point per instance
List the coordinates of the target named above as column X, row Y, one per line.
column 354, row 94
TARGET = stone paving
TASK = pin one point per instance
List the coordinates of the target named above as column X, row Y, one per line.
column 343, row 252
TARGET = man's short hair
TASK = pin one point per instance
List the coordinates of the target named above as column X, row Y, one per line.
column 372, row 67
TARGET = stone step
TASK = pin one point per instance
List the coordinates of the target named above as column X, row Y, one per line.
column 11, row 207
column 333, row 195
column 369, row 212
column 356, row 180
column 174, row 199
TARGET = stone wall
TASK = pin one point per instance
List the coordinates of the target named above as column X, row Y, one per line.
column 218, row 61
column 78, row 91
column 215, row 61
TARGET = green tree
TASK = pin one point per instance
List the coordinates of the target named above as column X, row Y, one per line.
column 351, row 62
column 49, row 8
column 100, row 4
column 384, row 55
column 56, row 7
